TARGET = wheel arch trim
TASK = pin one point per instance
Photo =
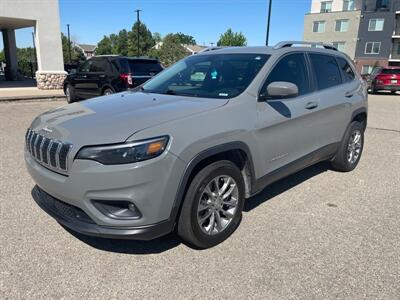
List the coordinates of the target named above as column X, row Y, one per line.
column 230, row 146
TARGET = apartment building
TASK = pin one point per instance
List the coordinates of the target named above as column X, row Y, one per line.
column 366, row 30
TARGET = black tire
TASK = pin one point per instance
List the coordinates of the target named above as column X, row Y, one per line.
column 108, row 91
column 373, row 90
column 341, row 160
column 188, row 226
column 70, row 93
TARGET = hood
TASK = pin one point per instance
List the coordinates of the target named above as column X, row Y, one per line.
column 112, row 119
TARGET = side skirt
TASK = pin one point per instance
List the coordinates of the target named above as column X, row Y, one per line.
column 314, row 157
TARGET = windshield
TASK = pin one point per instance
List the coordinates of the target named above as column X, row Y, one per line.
column 208, row 76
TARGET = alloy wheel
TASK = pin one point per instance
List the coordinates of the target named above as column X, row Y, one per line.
column 218, row 204
column 354, row 147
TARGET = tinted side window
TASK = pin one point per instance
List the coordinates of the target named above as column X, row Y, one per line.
column 347, row 71
column 144, row 67
column 115, row 66
column 326, row 70
column 291, row 68
column 86, row 66
column 99, row 65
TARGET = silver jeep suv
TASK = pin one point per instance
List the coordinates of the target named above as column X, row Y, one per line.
column 189, row 146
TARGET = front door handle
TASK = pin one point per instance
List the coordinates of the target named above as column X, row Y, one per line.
column 349, row 94
column 311, row 105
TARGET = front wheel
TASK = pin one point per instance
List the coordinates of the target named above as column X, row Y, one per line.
column 212, row 208
column 350, row 149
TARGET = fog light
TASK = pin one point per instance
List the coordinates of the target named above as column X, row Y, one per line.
column 118, row 209
column 132, row 207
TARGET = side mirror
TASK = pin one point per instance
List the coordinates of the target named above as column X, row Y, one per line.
column 281, row 90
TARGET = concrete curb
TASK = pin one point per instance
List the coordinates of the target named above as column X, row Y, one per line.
column 33, row 98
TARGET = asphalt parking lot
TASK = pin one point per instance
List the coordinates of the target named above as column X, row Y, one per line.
column 315, row 235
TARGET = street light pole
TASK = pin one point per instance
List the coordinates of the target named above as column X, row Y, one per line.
column 138, row 21
column 268, row 22
column 69, row 45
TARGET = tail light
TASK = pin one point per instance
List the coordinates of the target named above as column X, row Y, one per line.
column 127, row 78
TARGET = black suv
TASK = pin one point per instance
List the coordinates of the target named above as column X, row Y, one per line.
column 104, row 75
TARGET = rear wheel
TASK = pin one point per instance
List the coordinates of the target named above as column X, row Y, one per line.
column 70, row 93
column 212, row 208
column 350, row 150
column 108, row 91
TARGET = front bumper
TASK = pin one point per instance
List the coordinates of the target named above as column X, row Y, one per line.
column 150, row 185
column 77, row 220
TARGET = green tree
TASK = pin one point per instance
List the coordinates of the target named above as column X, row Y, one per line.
column 2, row 56
column 104, row 46
column 26, row 61
column 230, row 38
column 185, row 39
column 171, row 50
column 76, row 53
column 146, row 41
column 157, row 37
column 122, row 42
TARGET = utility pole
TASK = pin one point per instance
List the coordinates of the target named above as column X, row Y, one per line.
column 138, row 32
column 268, row 22
column 69, row 45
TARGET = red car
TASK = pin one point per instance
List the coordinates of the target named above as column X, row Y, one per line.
column 387, row 79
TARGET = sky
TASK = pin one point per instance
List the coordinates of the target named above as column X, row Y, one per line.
column 205, row 20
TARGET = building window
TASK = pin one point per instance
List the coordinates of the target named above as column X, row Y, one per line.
column 341, row 25
column 348, row 5
column 319, row 26
column 372, row 48
column 326, row 6
column 382, row 4
column 376, row 24
column 341, row 46
column 366, row 69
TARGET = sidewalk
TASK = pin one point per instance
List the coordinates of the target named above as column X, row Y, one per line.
column 30, row 93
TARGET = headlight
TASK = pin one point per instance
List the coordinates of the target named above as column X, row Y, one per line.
column 125, row 153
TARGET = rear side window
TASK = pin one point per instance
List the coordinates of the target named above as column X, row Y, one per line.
column 391, row 71
column 291, row 68
column 347, row 71
column 144, row 67
column 326, row 70
column 99, row 65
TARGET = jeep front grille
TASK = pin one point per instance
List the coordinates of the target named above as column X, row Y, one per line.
column 51, row 153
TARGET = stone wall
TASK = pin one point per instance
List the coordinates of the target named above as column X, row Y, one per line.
column 50, row 80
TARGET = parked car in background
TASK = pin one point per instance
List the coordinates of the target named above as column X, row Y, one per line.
column 105, row 75
column 387, row 79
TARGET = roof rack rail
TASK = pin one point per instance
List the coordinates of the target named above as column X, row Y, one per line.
column 312, row 44
column 210, row 49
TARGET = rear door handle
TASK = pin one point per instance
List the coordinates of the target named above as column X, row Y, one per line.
column 349, row 94
column 311, row 105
